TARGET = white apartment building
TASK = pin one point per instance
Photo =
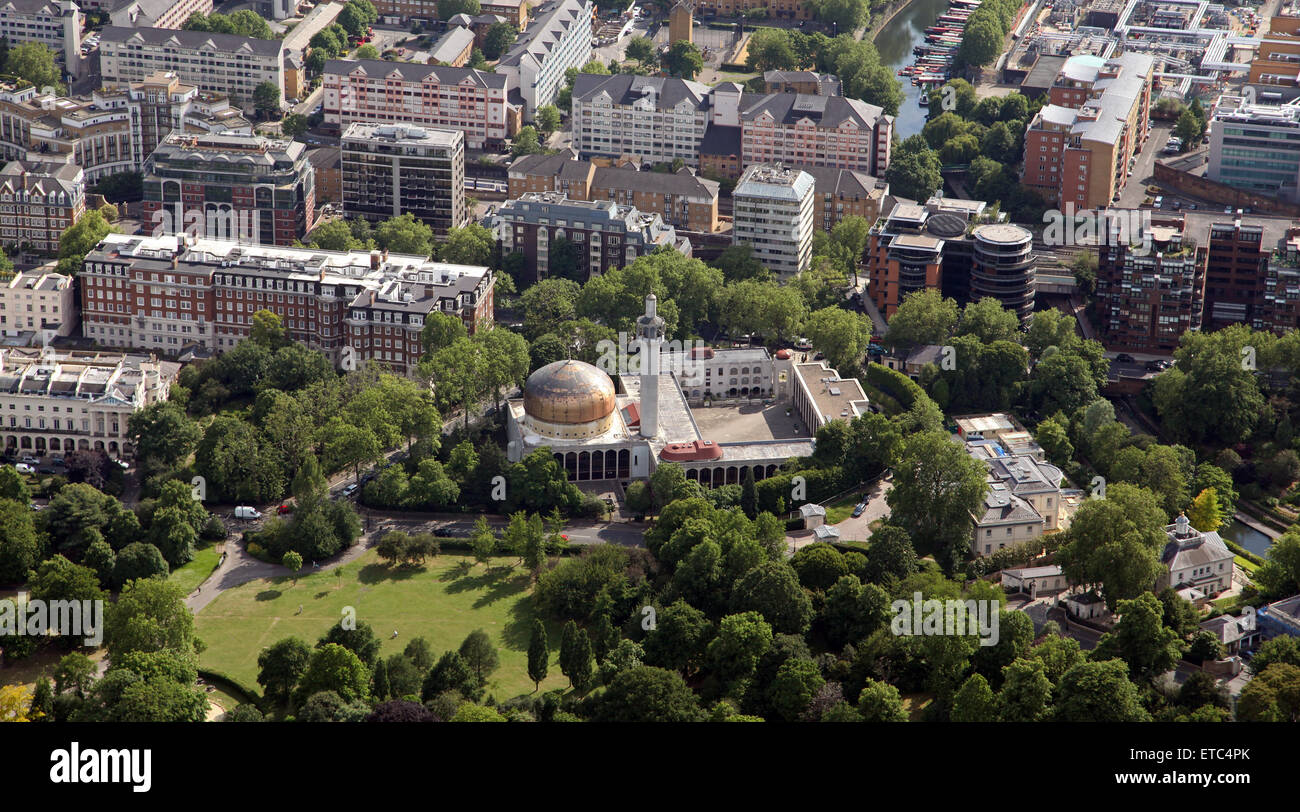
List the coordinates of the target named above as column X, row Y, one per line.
column 656, row 119
column 57, row 24
column 218, row 63
column 773, row 213
column 40, row 303
column 557, row 38
column 56, row 402
column 1196, row 559
column 157, row 13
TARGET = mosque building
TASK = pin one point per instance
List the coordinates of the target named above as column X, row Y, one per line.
column 599, row 433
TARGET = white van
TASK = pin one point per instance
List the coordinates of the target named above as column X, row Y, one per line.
column 24, row 468
column 246, row 512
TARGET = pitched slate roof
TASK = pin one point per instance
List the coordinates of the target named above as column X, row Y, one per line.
column 412, row 72
column 191, row 40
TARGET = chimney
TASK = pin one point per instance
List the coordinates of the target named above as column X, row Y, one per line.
column 385, row 255
column 374, row 260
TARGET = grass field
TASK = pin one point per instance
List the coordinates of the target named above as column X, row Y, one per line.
column 197, row 571
column 443, row 602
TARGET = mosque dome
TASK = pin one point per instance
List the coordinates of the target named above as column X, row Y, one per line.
column 569, row 393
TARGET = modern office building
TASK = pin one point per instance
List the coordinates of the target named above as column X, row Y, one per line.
column 1278, row 56
column 723, row 129
column 38, row 202
column 54, row 401
column 953, row 246
column 393, row 169
column 1252, row 274
column 684, row 199
column 578, row 238
column 774, row 213
column 242, row 187
column 558, row 38
column 218, row 63
column 373, row 91
column 170, row 293
column 1080, row 146
column 1256, row 148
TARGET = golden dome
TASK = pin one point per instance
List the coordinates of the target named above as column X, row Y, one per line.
column 569, row 392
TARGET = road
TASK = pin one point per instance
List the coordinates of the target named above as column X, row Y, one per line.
column 1135, row 191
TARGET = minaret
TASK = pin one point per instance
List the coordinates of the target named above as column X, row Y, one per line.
column 650, row 335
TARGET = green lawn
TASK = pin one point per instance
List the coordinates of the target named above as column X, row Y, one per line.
column 442, row 602
column 197, row 571
column 837, row 512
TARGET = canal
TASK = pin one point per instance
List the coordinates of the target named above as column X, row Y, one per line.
column 1248, row 537
column 895, row 42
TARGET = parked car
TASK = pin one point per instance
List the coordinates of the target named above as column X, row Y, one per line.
column 246, row 512
column 1124, row 358
column 1153, row 366
column 58, row 461
column 284, row 509
column 24, row 468
column 120, row 464
column 859, row 508
column 350, row 489
column 30, row 460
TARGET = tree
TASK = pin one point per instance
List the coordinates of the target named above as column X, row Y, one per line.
column 405, row 235
column 526, row 142
column 1189, row 129
column 981, row 42
column 294, row 124
column 681, row 634
column 20, row 547
column 880, row 702
column 538, row 654
column 42, row 707
column 334, row 235
column 1115, row 543
column 1026, row 692
column 847, row 15
column 683, row 59
column 1272, row 696
column 923, row 317
column 1205, row 514
column 1099, row 692
column 80, row 239
column 819, row 566
column 641, row 49
column 937, row 488
column 480, row 655
column 772, row 589
column 468, row 245
column 360, row 639
column 974, row 701
column 163, row 435
column 914, row 169
column 450, row 673
column 576, row 656
column 281, row 666
column 741, row 642
column 548, row 119
column 797, row 681
column 647, row 694
column 137, row 561
column 450, row 8
column 498, row 39
column 989, row 321
column 292, row 562
column 366, row 51
column 1141, row 639
column 266, row 99
column 335, row 668
column 842, row 335
column 34, row 62
column 149, row 616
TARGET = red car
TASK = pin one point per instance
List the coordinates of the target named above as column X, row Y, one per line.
column 285, row 508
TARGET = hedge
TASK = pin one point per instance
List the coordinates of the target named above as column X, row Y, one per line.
column 895, row 385
column 230, row 685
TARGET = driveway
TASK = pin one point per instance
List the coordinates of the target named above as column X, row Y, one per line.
column 859, row 529
column 1135, row 190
